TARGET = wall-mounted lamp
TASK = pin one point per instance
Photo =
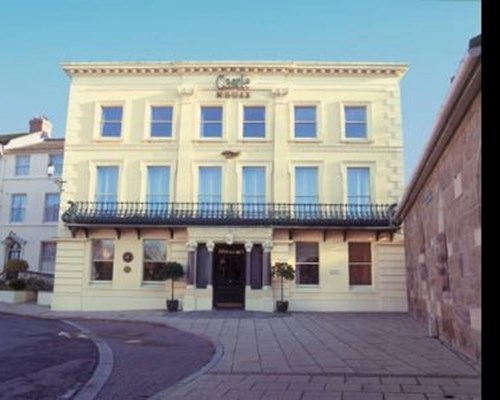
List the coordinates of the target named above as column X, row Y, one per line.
column 230, row 154
column 51, row 169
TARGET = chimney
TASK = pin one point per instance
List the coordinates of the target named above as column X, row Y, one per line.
column 41, row 124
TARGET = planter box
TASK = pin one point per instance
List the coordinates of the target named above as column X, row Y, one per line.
column 17, row 296
column 44, row 298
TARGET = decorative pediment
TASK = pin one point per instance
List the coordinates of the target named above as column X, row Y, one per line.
column 13, row 238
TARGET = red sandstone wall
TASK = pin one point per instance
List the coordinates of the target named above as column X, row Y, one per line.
column 443, row 242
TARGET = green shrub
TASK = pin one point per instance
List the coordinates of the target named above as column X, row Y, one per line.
column 283, row 270
column 3, row 285
column 17, row 284
column 171, row 270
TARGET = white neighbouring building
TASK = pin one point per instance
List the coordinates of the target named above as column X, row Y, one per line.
column 29, row 198
column 228, row 167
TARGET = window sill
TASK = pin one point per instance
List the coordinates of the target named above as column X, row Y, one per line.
column 153, row 284
column 50, row 222
column 101, row 283
column 108, row 139
column 160, row 139
column 305, row 140
column 209, row 140
column 254, row 140
column 356, row 141
column 307, row 288
column 362, row 288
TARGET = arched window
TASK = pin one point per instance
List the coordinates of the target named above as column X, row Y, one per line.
column 14, row 251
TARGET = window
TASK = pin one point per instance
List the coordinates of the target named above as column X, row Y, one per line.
column 305, row 122
column 57, row 161
column 254, row 191
column 307, row 263
column 48, row 257
column 18, row 208
column 111, row 122
column 107, row 185
column 161, row 121
column 210, row 185
column 306, row 185
column 254, row 122
column 22, row 165
column 358, row 187
column 51, row 210
column 157, row 195
column 155, row 253
column 211, row 122
column 254, row 185
column 14, row 251
column 355, row 122
column 103, row 253
column 210, row 188
column 360, row 264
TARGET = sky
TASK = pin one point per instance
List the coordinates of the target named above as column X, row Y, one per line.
column 432, row 36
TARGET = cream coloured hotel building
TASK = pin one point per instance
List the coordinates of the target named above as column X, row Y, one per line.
column 227, row 168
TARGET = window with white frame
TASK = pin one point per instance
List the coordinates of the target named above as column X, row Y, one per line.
column 103, row 254
column 358, row 185
column 306, row 185
column 18, row 207
column 254, row 190
column 154, row 255
column 360, row 264
column 48, row 257
column 57, row 161
column 307, row 263
column 157, row 195
column 210, row 188
column 51, row 209
column 254, row 122
column 161, row 121
column 111, row 121
column 254, row 185
column 22, row 165
column 305, row 122
column 107, row 185
column 355, row 122
column 211, row 122
column 210, row 185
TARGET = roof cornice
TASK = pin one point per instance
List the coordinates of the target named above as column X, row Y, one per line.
column 271, row 67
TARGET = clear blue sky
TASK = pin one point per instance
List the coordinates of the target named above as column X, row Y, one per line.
column 37, row 35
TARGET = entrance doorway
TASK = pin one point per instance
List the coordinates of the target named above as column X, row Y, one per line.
column 229, row 276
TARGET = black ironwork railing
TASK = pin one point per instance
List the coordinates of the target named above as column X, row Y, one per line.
column 274, row 214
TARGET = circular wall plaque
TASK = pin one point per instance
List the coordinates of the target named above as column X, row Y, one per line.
column 127, row 269
column 128, row 256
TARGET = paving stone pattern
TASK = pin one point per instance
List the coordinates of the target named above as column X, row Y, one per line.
column 345, row 356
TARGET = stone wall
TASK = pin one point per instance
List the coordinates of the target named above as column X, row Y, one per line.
column 443, row 241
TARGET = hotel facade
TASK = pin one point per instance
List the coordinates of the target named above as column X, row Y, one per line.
column 227, row 168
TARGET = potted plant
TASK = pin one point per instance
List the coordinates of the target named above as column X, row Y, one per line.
column 174, row 271
column 283, row 270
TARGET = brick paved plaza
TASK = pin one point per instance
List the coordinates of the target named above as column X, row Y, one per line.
column 347, row 356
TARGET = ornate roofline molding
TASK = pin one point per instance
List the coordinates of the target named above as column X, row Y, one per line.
column 295, row 68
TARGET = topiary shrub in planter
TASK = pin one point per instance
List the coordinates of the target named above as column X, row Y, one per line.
column 174, row 271
column 13, row 267
column 283, row 270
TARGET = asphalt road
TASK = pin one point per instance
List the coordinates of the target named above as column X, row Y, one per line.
column 42, row 359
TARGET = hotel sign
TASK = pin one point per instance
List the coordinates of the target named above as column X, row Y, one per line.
column 232, row 86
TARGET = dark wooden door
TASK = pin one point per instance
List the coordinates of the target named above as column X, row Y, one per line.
column 229, row 276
